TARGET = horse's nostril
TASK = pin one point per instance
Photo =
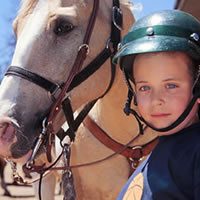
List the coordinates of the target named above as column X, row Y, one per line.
column 3, row 126
column 7, row 131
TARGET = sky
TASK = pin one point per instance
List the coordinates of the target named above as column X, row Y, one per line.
column 144, row 7
column 8, row 10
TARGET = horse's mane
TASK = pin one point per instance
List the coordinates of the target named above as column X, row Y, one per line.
column 26, row 7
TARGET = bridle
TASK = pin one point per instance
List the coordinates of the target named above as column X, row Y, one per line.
column 76, row 76
column 58, row 93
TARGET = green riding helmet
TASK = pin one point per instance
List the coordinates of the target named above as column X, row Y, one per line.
column 169, row 30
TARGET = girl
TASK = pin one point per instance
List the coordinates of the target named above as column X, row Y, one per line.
column 160, row 58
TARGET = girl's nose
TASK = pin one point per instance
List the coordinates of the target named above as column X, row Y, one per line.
column 158, row 98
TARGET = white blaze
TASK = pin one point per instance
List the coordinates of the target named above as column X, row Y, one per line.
column 31, row 30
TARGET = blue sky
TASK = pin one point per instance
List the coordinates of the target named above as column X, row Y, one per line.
column 144, row 7
column 8, row 9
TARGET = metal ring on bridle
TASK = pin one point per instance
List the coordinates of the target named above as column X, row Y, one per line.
column 109, row 45
column 85, row 46
column 135, row 161
column 141, row 153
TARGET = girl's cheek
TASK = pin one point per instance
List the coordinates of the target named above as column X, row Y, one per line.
column 142, row 101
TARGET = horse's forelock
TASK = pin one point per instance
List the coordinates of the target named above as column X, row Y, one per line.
column 26, row 7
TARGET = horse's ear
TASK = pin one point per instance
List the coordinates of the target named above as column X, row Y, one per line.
column 128, row 15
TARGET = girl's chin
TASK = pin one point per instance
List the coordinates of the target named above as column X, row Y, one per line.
column 161, row 126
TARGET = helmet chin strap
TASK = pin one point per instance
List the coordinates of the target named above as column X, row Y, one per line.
column 128, row 110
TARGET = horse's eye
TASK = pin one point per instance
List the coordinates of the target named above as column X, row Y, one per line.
column 63, row 27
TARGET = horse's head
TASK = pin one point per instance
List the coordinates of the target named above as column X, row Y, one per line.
column 49, row 35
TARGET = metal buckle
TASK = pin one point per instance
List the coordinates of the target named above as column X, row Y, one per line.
column 116, row 12
column 55, row 93
column 109, row 45
column 136, row 161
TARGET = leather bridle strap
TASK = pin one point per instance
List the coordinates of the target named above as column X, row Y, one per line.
column 115, row 36
column 91, row 68
column 135, row 152
column 51, row 87
column 33, row 77
column 80, row 58
column 75, row 123
column 82, row 53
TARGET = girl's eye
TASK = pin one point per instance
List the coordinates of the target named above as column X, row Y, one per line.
column 171, row 86
column 144, row 88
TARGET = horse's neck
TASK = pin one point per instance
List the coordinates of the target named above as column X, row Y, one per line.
column 108, row 112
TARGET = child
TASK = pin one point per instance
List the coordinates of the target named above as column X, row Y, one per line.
column 160, row 58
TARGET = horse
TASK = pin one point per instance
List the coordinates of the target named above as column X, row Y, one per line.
column 50, row 35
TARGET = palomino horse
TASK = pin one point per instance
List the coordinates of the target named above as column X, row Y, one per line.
column 49, row 35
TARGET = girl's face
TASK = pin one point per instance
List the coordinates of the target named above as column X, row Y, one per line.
column 163, row 86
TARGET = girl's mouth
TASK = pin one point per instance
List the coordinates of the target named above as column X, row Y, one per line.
column 160, row 115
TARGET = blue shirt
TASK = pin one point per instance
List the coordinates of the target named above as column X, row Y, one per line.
column 172, row 171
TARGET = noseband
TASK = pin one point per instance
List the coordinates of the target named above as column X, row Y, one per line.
column 76, row 75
